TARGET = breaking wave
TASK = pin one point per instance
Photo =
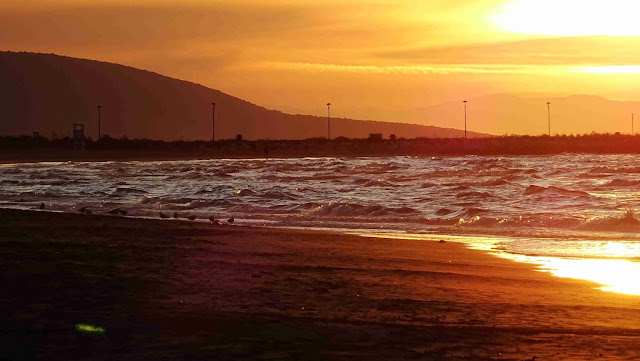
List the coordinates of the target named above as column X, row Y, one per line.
column 553, row 190
column 346, row 209
column 626, row 223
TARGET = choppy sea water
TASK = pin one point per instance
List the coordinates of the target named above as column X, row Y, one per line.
column 536, row 207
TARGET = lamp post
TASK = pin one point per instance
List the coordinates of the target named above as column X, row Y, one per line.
column 328, row 120
column 213, row 122
column 549, row 116
column 465, row 119
column 99, row 106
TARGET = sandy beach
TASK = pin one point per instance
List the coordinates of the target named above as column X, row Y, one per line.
column 173, row 290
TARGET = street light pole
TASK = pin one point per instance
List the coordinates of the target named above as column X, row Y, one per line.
column 99, row 134
column 213, row 122
column 328, row 120
column 549, row 116
column 465, row 119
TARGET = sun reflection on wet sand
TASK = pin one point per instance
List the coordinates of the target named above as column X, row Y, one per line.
column 606, row 263
column 615, row 275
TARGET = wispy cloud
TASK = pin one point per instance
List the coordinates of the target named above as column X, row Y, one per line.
column 609, row 69
column 577, row 50
column 418, row 69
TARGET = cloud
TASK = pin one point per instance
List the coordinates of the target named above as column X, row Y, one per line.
column 440, row 69
column 593, row 50
column 145, row 26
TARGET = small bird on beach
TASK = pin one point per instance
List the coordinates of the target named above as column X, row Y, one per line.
column 163, row 216
column 192, row 217
column 175, row 214
column 41, row 205
column 230, row 220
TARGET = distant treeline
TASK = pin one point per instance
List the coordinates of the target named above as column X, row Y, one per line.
column 503, row 145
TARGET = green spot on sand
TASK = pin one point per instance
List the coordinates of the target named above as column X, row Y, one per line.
column 84, row 328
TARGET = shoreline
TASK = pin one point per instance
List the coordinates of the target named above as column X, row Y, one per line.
column 166, row 290
column 559, row 265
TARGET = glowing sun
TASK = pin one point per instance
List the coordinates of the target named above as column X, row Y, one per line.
column 570, row 17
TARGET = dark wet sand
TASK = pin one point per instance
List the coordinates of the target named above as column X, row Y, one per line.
column 168, row 290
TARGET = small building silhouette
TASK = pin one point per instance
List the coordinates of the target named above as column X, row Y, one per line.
column 392, row 137
column 239, row 137
column 78, row 136
column 36, row 135
column 375, row 136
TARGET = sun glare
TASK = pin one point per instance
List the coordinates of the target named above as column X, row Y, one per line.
column 570, row 17
column 615, row 275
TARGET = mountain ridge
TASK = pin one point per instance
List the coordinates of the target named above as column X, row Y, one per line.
column 47, row 93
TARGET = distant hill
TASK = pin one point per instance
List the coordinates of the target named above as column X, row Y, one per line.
column 527, row 115
column 48, row 93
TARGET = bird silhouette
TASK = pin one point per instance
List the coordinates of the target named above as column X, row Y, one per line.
column 230, row 220
column 41, row 205
column 175, row 214
column 192, row 217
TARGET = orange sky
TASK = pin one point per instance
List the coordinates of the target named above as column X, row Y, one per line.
column 369, row 58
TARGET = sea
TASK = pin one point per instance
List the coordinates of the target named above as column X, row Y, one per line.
column 574, row 215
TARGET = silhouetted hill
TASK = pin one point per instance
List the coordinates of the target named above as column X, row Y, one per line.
column 48, row 93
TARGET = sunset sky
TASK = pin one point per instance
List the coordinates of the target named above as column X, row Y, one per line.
column 368, row 57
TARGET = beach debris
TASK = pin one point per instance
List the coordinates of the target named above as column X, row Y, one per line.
column 114, row 211
column 41, row 205
column 88, row 211
column 163, row 216
column 214, row 221
column 89, row 329
column 82, row 210
column 442, row 241
column 192, row 217
column 175, row 214
column 122, row 212
column 230, row 220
